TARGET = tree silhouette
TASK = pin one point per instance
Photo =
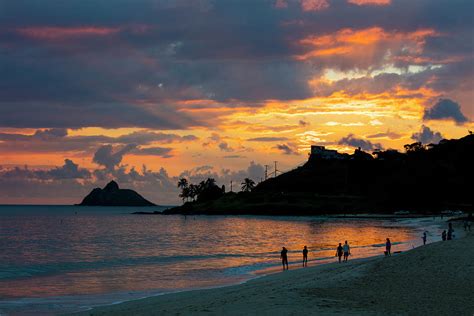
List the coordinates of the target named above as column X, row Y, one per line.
column 193, row 191
column 248, row 185
column 183, row 184
column 414, row 148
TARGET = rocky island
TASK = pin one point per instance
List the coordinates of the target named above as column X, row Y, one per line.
column 112, row 195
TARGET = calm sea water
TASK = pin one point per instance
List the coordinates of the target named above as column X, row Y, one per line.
column 56, row 259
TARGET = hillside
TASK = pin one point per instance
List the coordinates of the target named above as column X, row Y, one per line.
column 424, row 179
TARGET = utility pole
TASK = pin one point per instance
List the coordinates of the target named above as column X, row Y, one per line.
column 275, row 172
column 266, row 172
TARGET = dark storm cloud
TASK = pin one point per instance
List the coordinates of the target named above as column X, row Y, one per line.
column 287, row 149
column 388, row 134
column 445, row 109
column 128, row 63
column 57, row 140
column 69, row 170
column 111, row 157
column 353, row 141
column 108, row 157
column 427, row 136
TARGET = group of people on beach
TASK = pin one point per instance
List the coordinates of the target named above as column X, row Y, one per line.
column 344, row 251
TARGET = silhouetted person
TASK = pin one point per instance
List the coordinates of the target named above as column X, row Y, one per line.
column 443, row 235
column 339, row 252
column 347, row 251
column 284, row 258
column 388, row 247
column 424, row 238
column 305, row 256
column 450, row 231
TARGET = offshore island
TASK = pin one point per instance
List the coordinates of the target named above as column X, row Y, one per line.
column 424, row 179
column 113, row 195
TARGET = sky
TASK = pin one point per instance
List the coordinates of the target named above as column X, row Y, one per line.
column 148, row 91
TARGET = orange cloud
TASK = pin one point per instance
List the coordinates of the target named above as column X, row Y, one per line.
column 350, row 42
column 314, row 5
column 306, row 5
column 57, row 33
column 370, row 2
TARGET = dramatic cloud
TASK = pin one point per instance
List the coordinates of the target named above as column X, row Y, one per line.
column 445, row 109
column 351, row 140
column 287, row 149
column 136, row 66
column 70, row 183
column 69, row 170
column 58, row 140
column 194, row 81
column 427, row 136
column 107, row 157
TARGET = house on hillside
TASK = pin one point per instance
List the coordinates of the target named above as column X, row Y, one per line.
column 320, row 152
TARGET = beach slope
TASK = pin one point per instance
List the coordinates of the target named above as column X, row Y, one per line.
column 436, row 279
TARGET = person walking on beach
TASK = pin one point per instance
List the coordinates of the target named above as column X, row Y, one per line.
column 347, row 251
column 443, row 235
column 388, row 247
column 450, row 231
column 424, row 238
column 284, row 257
column 305, row 256
column 339, row 252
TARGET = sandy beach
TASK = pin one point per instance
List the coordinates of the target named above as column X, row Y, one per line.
column 436, row 279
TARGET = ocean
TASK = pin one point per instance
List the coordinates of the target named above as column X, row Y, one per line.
column 59, row 259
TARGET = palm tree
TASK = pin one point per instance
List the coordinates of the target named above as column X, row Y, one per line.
column 185, row 193
column 183, row 184
column 248, row 185
column 193, row 191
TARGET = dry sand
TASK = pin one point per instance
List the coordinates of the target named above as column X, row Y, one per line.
column 436, row 279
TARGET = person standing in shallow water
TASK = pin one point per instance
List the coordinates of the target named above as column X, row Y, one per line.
column 339, row 252
column 388, row 247
column 347, row 251
column 305, row 256
column 284, row 258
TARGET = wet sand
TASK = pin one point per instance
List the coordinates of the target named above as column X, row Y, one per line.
column 436, row 279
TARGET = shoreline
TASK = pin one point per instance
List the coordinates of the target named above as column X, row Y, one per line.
column 292, row 291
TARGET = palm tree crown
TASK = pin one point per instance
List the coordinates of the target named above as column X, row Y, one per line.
column 248, row 185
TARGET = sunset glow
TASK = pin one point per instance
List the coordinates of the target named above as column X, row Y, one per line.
column 154, row 90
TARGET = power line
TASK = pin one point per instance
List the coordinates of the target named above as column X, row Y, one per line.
column 266, row 172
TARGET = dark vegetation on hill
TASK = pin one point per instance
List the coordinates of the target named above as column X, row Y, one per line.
column 112, row 195
column 424, row 179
